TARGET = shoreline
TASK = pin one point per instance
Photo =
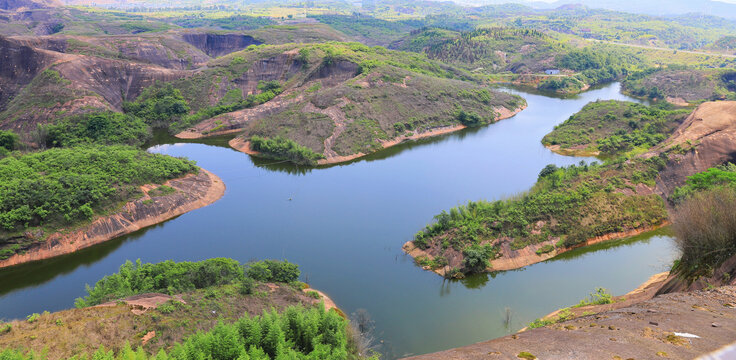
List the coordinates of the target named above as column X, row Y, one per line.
column 242, row 145
column 527, row 256
column 557, row 149
column 194, row 191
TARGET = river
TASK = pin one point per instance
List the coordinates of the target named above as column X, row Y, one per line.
column 345, row 226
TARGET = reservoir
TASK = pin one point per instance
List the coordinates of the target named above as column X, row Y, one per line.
column 345, row 225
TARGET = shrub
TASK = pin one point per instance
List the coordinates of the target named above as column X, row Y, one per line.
column 548, row 170
column 313, row 294
column 168, row 277
column 158, row 104
column 33, row 317
column 8, row 140
column 476, row 257
column 545, row 249
column 601, row 296
column 283, row 148
column 105, row 128
column 705, row 229
column 273, row 271
column 247, row 285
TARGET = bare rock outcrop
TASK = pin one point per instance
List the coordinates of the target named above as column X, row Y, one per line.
column 707, row 138
column 19, row 64
column 216, row 45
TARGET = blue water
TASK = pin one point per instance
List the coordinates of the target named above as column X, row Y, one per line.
column 345, row 226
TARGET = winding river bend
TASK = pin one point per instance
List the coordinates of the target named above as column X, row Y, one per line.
column 345, row 225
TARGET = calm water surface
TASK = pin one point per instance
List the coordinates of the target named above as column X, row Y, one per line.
column 345, row 226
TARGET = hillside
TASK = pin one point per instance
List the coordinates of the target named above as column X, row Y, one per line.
column 682, row 86
column 341, row 101
column 254, row 308
column 47, row 196
column 613, row 128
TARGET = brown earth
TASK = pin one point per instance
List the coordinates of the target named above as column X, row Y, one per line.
column 192, row 192
column 579, row 150
column 645, row 330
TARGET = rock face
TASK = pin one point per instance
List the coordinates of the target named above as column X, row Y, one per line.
column 707, row 138
column 193, row 192
column 216, row 45
column 19, row 64
column 114, row 80
column 646, row 330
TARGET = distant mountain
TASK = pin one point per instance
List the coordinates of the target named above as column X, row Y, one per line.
column 650, row 7
column 26, row 4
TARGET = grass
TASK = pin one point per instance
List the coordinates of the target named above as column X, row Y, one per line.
column 563, row 315
column 601, row 296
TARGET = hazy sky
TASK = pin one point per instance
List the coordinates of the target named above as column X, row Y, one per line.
column 726, row 1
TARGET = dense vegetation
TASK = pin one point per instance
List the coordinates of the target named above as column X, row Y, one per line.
column 566, row 207
column 284, row 149
column 491, row 50
column 158, row 105
column 595, row 65
column 8, row 142
column 59, row 187
column 106, row 128
column 720, row 176
column 615, row 127
column 178, row 277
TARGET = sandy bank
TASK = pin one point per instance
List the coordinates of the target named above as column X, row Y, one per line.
column 516, row 259
column 193, row 192
column 244, row 146
column 573, row 151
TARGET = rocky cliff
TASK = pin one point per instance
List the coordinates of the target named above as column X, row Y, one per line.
column 216, row 45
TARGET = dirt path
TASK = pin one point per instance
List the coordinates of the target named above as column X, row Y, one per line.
column 338, row 117
column 193, row 192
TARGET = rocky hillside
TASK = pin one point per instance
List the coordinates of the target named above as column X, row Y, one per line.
column 342, row 101
column 707, row 138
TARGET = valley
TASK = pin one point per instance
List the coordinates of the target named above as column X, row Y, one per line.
column 455, row 175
